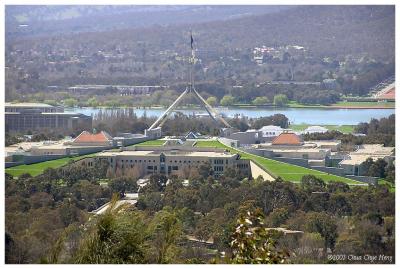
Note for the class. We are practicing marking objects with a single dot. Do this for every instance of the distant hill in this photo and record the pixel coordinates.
(25, 21)
(323, 30)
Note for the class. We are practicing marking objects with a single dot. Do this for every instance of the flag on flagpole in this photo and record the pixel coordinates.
(191, 40)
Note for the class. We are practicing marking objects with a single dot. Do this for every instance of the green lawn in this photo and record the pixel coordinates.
(350, 104)
(211, 143)
(38, 168)
(151, 143)
(342, 128)
(387, 183)
(286, 171)
(294, 104)
(366, 104)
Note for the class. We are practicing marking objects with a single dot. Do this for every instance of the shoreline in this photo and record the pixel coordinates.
(241, 106)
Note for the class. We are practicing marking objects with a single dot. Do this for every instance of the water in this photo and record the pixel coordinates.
(317, 116)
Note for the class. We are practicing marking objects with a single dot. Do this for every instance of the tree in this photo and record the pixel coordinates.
(278, 216)
(280, 100)
(114, 238)
(253, 243)
(336, 186)
(339, 205)
(311, 183)
(92, 102)
(377, 169)
(276, 119)
(70, 102)
(322, 223)
(205, 170)
(212, 101)
(227, 100)
(123, 184)
(261, 100)
(166, 231)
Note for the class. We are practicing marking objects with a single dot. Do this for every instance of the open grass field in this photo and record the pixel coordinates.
(344, 104)
(210, 143)
(38, 168)
(346, 129)
(286, 171)
(151, 143)
(365, 104)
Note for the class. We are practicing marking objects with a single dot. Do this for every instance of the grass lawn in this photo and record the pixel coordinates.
(210, 143)
(342, 128)
(286, 171)
(151, 143)
(366, 104)
(38, 168)
(294, 104)
(387, 183)
(349, 104)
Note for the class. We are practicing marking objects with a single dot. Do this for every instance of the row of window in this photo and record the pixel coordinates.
(242, 165)
(175, 161)
(220, 161)
(218, 168)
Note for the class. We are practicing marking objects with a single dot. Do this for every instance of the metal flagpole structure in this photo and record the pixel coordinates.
(191, 89)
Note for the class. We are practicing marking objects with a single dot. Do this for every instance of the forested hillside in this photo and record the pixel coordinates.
(351, 45)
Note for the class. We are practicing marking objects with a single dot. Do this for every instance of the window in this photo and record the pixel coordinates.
(217, 161)
(218, 168)
(150, 167)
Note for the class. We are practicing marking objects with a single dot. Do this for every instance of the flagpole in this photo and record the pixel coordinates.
(191, 62)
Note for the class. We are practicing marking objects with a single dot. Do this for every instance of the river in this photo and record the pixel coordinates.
(317, 116)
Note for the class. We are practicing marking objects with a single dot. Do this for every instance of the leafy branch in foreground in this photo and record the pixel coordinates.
(253, 243)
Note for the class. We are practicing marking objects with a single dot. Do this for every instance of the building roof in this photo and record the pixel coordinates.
(27, 105)
(86, 137)
(287, 139)
(171, 153)
(374, 149)
(316, 129)
(271, 128)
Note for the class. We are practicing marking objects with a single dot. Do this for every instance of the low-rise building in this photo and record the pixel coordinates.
(289, 145)
(353, 164)
(246, 138)
(171, 159)
(36, 116)
(271, 130)
(315, 130)
(102, 139)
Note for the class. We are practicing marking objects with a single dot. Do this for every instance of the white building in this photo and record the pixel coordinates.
(271, 131)
(315, 130)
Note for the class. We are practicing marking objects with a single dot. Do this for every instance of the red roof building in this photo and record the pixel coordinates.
(287, 139)
(88, 139)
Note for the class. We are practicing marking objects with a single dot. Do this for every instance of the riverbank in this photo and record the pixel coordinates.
(291, 104)
(303, 115)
